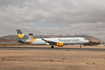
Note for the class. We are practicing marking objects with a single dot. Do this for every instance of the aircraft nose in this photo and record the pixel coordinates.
(87, 41)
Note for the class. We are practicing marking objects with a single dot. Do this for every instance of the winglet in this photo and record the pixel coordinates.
(41, 37)
(50, 42)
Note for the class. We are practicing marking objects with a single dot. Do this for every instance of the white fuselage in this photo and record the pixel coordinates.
(65, 41)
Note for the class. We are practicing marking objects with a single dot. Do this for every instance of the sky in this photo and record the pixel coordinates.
(53, 17)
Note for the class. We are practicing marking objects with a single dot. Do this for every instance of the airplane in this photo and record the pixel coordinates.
(50, 41)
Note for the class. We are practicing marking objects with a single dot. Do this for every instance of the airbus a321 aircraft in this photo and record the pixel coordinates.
(50, 41)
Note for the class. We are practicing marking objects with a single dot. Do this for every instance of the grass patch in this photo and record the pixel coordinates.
(63, 58)
(87, 63)
(93, 63)
(51, 60)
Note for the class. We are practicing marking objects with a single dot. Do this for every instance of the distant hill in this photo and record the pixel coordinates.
(9, 38)
(12, 38)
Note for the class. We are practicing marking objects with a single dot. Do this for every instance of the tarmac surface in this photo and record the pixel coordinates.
(48, 48)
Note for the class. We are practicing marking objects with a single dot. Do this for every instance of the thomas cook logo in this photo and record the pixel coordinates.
(20, 35)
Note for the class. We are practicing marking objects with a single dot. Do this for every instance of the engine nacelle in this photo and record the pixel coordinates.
(60, 44)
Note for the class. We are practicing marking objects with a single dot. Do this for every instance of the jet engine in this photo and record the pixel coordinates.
(60, 44)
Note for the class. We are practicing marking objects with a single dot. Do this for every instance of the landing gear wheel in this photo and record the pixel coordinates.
(52, 46)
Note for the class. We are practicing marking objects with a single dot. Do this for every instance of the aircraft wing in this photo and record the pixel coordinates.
(50, 42)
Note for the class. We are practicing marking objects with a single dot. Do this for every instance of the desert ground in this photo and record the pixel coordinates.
(52, 59)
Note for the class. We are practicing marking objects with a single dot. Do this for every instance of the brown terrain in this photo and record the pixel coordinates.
(52, 59)
(13, 38)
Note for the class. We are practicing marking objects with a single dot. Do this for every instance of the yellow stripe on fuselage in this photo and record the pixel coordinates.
(32, 40)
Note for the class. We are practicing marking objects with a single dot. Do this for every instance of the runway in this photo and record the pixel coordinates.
(48, 48)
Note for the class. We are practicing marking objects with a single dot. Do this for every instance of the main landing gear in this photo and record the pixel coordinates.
(52, 46)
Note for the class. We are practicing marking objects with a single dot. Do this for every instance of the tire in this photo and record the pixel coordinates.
(52, 46)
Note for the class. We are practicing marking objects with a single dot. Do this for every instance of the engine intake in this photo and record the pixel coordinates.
(60, 44)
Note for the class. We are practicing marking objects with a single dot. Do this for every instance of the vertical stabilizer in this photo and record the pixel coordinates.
(21, 36)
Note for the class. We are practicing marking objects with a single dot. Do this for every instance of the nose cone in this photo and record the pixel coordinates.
(87, 41)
